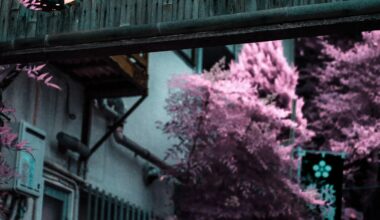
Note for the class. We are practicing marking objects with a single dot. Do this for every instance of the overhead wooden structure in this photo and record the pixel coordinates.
(111, 27)
(107, 77)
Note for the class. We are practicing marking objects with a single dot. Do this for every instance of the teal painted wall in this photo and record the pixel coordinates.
(289, 50)
(126, 169)
(112, 168)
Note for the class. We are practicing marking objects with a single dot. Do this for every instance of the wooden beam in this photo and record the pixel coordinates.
(135, 73)
(193, 40)
(141, 58)
(125, 64)
(263, 25)
(115, 91)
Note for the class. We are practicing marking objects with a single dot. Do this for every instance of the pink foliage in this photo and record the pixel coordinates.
(348, 98)
(343, 109)
(8, 139)
(34, 72)
(32, 4)
(231, 124)
(44, 5)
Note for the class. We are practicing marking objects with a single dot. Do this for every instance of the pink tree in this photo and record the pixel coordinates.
(347, 97)
(343, 110)
(41, 5)
(232, 124)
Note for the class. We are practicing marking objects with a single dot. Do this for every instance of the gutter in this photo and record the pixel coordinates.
(193, 30)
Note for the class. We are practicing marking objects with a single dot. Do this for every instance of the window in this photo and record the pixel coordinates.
(212, 55)
(188, 56)
(204, 58)
(56, 203)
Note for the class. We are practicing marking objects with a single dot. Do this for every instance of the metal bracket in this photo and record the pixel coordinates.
(114, 126)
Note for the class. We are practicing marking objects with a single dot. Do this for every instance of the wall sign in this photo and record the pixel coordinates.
(323, 171)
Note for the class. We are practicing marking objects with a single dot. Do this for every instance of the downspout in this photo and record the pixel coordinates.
(121, 139)
(67, 142)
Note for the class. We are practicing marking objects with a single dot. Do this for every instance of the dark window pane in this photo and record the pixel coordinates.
(212, 55)
(52, 208)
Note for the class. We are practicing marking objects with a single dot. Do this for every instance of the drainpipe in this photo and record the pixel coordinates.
(68, 142)
(121, 139)
(119, 122)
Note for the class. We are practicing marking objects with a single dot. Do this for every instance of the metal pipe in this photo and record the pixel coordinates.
(68, 142)
(192, 29)
(86, 133)
(137, 149)
(14, 209)
(114, 127)
(109, 113)
(8, 75)
(214, 23)
(63, 172)
(121, 139)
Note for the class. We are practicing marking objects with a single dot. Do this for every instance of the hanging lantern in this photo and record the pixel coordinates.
(46, 5)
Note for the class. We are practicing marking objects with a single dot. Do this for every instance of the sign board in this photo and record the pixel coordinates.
(27, 165)
(323, 171)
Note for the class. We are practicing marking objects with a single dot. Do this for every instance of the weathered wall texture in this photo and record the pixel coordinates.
(17, 22)
(112, 168)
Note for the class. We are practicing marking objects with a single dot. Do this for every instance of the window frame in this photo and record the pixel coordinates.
(62, 193)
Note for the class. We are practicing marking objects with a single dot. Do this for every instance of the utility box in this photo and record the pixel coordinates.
(27, 165)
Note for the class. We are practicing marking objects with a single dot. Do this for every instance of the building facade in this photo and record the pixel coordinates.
(110, 183)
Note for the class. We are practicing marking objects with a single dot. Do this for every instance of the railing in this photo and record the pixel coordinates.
(98, 205)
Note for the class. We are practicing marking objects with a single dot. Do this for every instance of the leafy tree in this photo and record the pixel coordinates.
(231, 124)
(47, 5)
(343, 107)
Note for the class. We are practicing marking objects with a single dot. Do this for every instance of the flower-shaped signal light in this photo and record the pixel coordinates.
(45, 5)
(322, 169)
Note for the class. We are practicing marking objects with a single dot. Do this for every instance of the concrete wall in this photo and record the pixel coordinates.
(140, 127)
(112, 168)
(46, 109)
